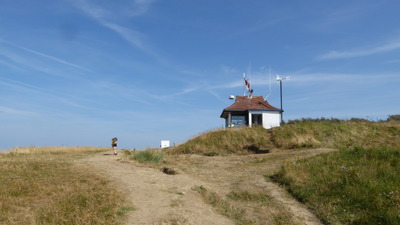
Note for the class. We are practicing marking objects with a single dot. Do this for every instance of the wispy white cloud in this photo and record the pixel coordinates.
(42, 94)
(228, 69)
(13, 111)
(45, 55)
(10, 65)
(106, 17)
(344, 14)
(133, 37)
(24, 62)
(395, 61)
(140, 7)
(91, 10)
(360, 52)
(232, 84)
(20, 86)
(110, 9)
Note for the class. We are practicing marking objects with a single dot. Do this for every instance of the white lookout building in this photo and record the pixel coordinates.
(251, 111)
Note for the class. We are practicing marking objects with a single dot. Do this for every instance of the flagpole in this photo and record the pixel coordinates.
(244, 84)
(251, 79)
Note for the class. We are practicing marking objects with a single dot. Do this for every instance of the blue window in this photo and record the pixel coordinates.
(238, 121)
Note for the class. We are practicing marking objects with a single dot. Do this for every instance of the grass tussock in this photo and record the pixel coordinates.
(246, 196)
(153, 156)
(352, 186)
(48, 189)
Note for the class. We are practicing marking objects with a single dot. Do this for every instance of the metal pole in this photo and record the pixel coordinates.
(280, 84)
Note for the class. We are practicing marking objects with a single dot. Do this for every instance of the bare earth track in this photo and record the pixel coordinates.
(158, 198)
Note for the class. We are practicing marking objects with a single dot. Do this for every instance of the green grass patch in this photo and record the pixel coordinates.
(351, 186)
(124, 210)
(148, 156)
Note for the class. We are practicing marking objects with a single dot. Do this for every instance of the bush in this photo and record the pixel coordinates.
(394, 118)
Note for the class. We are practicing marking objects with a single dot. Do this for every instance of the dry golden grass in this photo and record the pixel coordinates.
(225, 142)
(47, 188)
(296, 135)
(57, 149)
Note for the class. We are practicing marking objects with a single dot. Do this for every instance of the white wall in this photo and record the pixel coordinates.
(271, 119)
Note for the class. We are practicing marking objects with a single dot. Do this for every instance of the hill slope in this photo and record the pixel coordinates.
(298, 134)
(357, 185)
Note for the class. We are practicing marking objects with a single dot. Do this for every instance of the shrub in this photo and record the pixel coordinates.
(394, 118)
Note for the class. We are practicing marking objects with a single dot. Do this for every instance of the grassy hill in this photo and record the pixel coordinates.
(305, 133)
(358, 184)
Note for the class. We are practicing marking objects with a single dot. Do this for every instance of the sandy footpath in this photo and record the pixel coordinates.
(159, 198)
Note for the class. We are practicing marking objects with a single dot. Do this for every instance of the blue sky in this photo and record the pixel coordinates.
(79, 72)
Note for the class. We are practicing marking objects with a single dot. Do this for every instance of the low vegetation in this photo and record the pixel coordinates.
(44, 187)
(394, 118)
(247, 207)
(226, 141)
(304, 133)
(222, 206)
(359, 184)
(334, 133)
(153, 156)
(350, 186)
(75, 150)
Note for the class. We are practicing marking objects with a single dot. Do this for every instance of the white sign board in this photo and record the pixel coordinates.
(164, 143)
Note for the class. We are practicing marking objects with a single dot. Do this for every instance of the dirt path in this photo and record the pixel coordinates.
(159, 198)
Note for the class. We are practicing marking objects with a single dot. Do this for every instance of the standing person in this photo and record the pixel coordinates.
(114, 145)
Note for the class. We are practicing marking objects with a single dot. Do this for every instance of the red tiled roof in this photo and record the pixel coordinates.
(244, 103)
